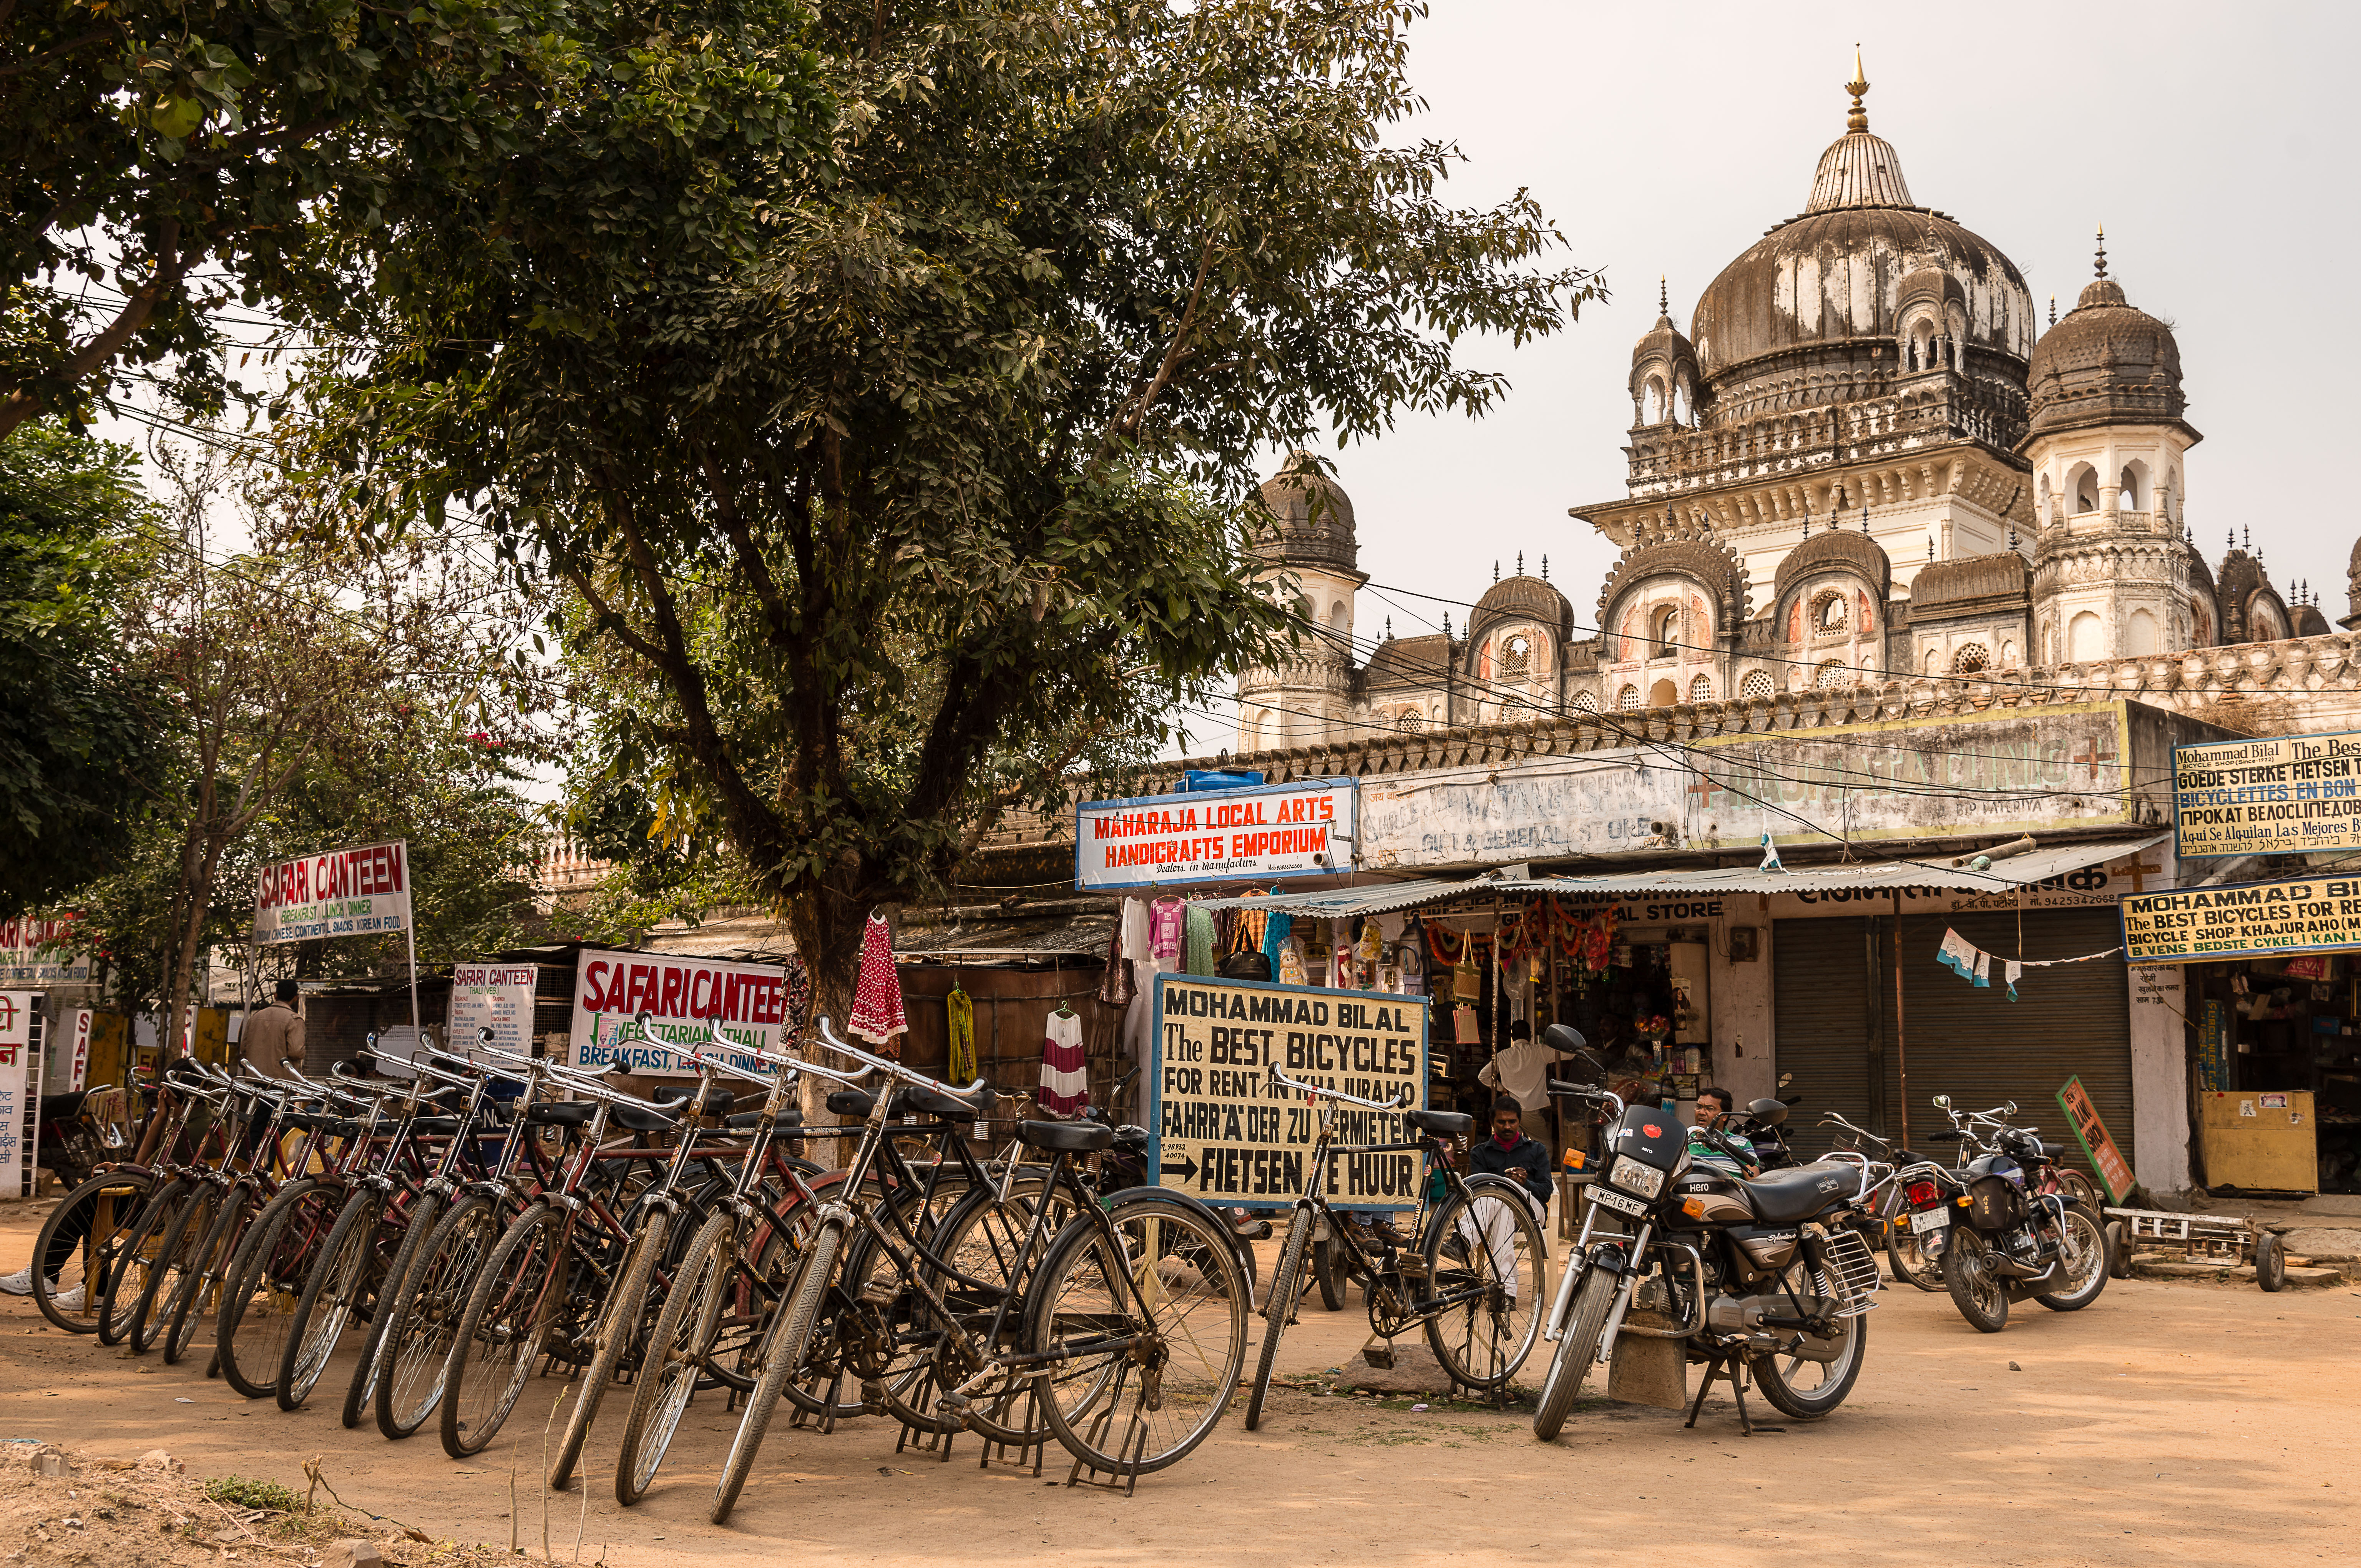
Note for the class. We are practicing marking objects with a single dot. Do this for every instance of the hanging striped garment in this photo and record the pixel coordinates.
(1065, 1081)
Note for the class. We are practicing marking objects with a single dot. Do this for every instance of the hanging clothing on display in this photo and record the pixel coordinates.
(1275, 927)
(1197, 941)
(1165, 918)
(959, 1017)
(1132, 928)
(1115, 985)
(877, 998)
(1065, 1079)
(798, 985)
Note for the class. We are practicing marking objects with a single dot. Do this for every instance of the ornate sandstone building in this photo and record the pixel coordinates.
(1868, 461)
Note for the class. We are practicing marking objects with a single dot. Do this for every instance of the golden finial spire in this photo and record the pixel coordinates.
(2103, 250)
(1664, 298)
(1859, 119)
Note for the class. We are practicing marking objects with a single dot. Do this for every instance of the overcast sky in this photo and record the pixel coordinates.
(2207, 138)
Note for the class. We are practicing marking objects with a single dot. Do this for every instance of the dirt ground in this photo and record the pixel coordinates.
(2168, 1423)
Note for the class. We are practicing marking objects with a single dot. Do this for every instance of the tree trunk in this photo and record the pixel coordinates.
(196, 887)
(827, 927)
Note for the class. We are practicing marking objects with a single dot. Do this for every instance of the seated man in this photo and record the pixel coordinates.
(1711, 1105)
(1508, 1152)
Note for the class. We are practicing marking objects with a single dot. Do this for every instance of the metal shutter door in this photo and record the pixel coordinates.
(1826, 1023)
(1981, 1048)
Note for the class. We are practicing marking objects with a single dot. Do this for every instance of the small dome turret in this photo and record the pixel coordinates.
(1313, 518)
(1664, 374)
(2105, 363)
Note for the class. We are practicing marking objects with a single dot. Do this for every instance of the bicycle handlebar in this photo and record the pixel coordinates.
(1400, 1101)
(893, 1069)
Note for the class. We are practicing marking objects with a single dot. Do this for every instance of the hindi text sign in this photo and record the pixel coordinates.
(339, 893)
(2259, 919)
(1218, 1132)
(2098, 1145)
(19, 1097)
(2284, 795)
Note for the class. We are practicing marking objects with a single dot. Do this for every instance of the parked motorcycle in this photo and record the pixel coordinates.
(2002, 1225)
(1762, 1276)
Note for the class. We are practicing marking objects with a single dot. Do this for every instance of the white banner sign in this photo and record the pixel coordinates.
(17, 1097)
(1284, 830)
(40, 952)
(496, 997)
(343, 892)
(74, 1065)
(745, 1003)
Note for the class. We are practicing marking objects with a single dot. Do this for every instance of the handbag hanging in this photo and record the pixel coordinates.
(1467, 984)
(1465, 1031)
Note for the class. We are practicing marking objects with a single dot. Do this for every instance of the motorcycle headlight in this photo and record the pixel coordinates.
(1642, 1180)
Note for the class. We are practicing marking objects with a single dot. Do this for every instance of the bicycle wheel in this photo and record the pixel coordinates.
(1330, 1270)
(781, 1358)
(675, 1354)
(1144, 1326)
(985, 1240)
(1577, 1353)
(622, 1326)
(127, 1282)
(331, 1286)
(501, 1333)
(73, 1267)
(201, 1285)
(176, 1260)
(2074, 1184)
(1905, 1256)
(1278, 1309)
(417, 1226)
(266, 1273)
(1485, 1254)
(423, 1317)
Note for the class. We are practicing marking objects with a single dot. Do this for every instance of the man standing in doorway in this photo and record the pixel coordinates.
(272, 1040)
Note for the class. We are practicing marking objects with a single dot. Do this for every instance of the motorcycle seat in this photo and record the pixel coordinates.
(1783, 1196)
(1441, 1123)
(1065, 1138)
(63, 1107)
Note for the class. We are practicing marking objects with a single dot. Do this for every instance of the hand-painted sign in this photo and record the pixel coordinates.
(19, 1094)
(340, 892)
(745, 1003)
(1286, 830)
(2098, 1146)
(495, 997)
(2250, 920)
(41, 952)
(1220, 1135)
(2287, 795)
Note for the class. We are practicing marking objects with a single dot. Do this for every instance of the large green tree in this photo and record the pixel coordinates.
(79, 729)
(907, 456)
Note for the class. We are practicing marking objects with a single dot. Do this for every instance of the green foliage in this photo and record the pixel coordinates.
(78, 732)
(242, 1492)
(900, 469)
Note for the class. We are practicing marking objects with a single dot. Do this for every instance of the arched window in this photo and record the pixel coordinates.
(2128, 498)
(1668, 631)
(1664, 694)
(1832, 673)
(2041, 498)
(1336, 613)
(1586, 703)
(2008, 656)
(2143, 639)
(1970, 660)
(2086, 638)
(1303, 610)
(1701, 690)
(1828, 615)
(1653, 410)
(1627, 700)
(1516, 655)
(1757, 684)
(2083, 486)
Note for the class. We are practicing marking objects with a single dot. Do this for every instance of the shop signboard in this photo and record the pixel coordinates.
(338, 893)
(494, 996)
(2213, 1045)
(2098, 1146)
(1219, 1134)
(746, 1004)
(1597, 803)
(2250, 920)
(1278, 832)
(2285, 794)
(40, 952)
(19, 1097)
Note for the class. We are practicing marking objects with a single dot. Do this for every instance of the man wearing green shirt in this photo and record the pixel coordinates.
(1712, 1103)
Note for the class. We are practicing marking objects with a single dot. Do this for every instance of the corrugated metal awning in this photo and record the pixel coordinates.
(2034, 866)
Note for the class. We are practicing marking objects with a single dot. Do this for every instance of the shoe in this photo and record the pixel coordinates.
(70, 1301)
(19, 1283)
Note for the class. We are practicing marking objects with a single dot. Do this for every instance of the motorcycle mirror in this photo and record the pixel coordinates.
(2011, 1108)
(1564, 1037)
(1942, 1102)
(1785, 1079)
(1770, 1113)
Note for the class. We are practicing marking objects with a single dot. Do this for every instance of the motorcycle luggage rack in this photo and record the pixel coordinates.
(1854, 1272)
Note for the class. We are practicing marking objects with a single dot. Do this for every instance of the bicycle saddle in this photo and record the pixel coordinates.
(1065, 1138)
(789, 1118)
(630, 1118)
(852, 1102)
(950, 1107)
(1442, 1123)
(434, 1126)
(561, 1113)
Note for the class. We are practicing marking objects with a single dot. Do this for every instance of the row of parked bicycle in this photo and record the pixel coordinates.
(482, 1217)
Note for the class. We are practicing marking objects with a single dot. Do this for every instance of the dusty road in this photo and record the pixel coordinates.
(2168, 1423)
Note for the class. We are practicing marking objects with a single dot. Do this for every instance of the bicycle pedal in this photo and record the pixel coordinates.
(1413, 1267)
(1378, 1355)
(872, 1396)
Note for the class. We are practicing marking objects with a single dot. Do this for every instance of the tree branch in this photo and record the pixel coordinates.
(170, 263)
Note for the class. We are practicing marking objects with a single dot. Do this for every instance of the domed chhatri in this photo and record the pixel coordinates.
(1312, 517)
(2105, 362)
(1522, 596)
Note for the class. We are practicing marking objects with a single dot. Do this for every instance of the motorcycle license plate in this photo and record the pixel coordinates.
(1930, 1220)
(1622, 1203)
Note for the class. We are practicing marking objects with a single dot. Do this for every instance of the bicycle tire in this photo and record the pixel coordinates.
(620, 1322)
(332, 1286)
(214, 1252)
(265, 1262)
(985, 1240)
(425, 1316)
(780, 1360)
(1907, 1259)
(1577, 1353)
(676, 1349)
(1185, 1264)
(115, 1184)
(1502, 1317)
(1329, 1269)
(174, 1254)
(127, 1281)
(360, 1390)
(469, 1424)
(1286, 1280)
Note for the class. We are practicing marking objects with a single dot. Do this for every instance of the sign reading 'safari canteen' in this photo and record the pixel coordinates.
(1286, 830)
(338, 893)
(744, 1003)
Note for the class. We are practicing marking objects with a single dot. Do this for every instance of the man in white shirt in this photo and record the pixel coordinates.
(1522, 1072)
